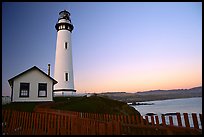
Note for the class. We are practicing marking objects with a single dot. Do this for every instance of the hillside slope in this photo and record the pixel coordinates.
(96, 104)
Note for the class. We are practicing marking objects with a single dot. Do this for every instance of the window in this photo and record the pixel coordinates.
(66, 76)
(42, 89)
(24, 89)
(65, 45)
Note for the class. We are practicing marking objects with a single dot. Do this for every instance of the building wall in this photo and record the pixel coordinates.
(33, 77)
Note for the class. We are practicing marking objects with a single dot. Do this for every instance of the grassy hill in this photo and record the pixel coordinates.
(92, 104)
(95, 104)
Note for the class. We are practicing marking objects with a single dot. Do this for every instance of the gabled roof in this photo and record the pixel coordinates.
(34, 67)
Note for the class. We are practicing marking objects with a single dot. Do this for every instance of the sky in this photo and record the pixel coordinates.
(116, 46)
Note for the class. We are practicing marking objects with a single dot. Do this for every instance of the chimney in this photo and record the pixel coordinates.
(48, 69)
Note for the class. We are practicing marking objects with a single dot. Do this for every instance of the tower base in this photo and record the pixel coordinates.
(64, 92)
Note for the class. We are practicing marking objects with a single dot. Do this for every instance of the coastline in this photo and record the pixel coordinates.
(182, 105)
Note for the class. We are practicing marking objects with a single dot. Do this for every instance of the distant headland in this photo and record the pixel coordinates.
(155, 95)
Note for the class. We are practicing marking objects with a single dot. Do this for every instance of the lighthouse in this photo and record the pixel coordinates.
(63, 71)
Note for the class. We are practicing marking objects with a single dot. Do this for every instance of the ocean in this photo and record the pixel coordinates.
(184, 105)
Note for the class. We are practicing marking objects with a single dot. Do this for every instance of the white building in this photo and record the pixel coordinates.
(32, 85)
(63, 71)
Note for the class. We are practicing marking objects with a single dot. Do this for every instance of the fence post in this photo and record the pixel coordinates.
(133, 119)
(118, 117)
(22, 119)
(32, 121)
(157, 120)
(18, 115)
(59, 119)
(12, 121)
(163, 120)
(195, 121)
(41, 121)
(55, 123)
(107, 117)
(5, 115)
(93, 127)
(178, 115)
(66, 123)
(116, 128)
(152, 120)
(115, 117)
(27, 120)
(146, 120)
(186, 119)
(141, 120)
(101, 128)
(121, 118)
(10, 124)
(125, 119)
(171, 121)
(110, 117)
(46, 122)
(109, 128)
(200, 115)
(73, 125)
(137, 119)
(129, 119)
(7, 118)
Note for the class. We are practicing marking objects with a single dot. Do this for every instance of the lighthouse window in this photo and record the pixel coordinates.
(65, 45)
(66, 76)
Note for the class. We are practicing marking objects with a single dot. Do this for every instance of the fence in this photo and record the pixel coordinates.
(182, 120)
(56, 122)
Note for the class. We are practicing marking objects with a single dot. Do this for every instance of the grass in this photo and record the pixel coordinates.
(92, 104)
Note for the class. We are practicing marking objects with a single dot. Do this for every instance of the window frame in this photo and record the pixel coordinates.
(43, 90)
(21, 89)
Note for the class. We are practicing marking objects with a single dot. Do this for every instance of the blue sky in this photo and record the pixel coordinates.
(117, 46)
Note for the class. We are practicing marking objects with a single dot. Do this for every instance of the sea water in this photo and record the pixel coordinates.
(184, 105)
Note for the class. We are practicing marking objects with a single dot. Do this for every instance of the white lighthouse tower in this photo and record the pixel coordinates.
(63, 71)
